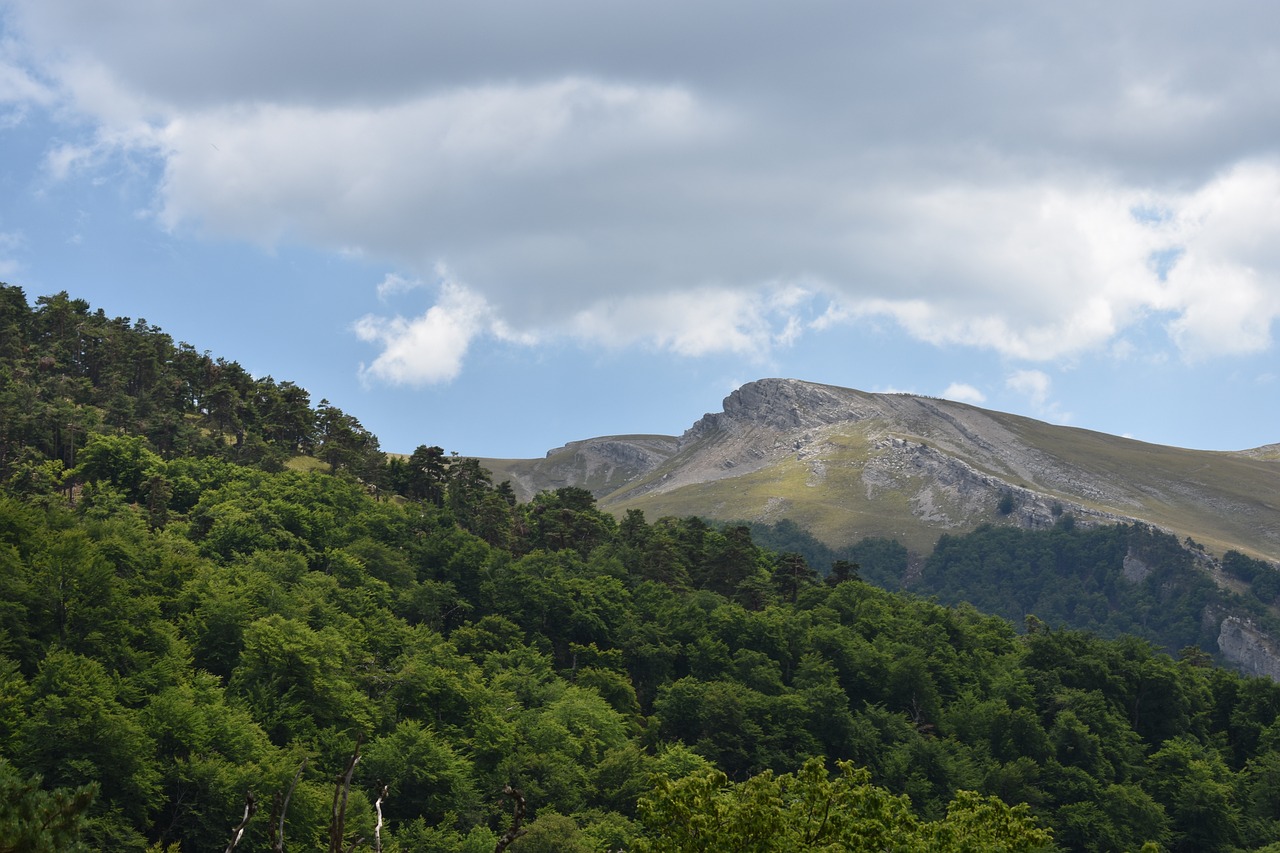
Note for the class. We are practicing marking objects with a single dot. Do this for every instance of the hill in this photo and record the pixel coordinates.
(214, 596)
(846, 464)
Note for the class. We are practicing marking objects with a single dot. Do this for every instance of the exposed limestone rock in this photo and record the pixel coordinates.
(1252, 651)
(782, 404)
(1134, 569)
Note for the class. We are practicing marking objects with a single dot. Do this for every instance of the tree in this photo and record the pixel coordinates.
(427, 778)
(426, 475)
(124, 461)
(77, 733)
(732, 560)
(34, 820)
(296, 679)
(790, 574)
(345, 444)
(811, 811)
(568, 518)
(841, 571)
(1192, 784)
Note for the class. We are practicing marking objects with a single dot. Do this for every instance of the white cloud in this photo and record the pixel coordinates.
(19, 91)
(63, 159)
(1225, 286)
(394, 284)
(1019, 180)
(1034, 271)
(427, 349)
(17, 86)
(962, 392)
(438, 169)
(710, 320)
(1036, 385)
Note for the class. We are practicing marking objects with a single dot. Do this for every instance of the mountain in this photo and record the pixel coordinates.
(847, 464)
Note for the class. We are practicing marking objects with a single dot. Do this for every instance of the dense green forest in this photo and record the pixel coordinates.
(204, 642)
(1111, 580)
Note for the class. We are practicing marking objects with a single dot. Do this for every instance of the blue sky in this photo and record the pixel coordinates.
(501, 226)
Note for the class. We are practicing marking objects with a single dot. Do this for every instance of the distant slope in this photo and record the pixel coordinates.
(602, 465)
(847, 464)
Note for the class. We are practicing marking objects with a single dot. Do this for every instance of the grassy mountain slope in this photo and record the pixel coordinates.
(848, 464)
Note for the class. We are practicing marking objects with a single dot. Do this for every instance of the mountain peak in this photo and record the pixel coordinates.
(784, 404)
(847, 464)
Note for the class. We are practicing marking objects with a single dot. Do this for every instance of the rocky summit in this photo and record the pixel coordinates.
(847, 464)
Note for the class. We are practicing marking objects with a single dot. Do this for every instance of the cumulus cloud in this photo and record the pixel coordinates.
(696, 322)
(394, 284)
(1036, 386)
(962, 392)
(350, 172)
(1018, 180)
(426, 349)
(1225, 284)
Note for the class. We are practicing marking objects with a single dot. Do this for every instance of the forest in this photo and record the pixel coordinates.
(1112, 580)
(229, 621)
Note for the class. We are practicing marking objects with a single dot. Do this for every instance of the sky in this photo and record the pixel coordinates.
(501, 226)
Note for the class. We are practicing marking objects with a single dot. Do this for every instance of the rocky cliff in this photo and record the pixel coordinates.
(1250, 649)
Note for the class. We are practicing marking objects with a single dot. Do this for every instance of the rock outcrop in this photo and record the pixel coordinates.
(1248, 648)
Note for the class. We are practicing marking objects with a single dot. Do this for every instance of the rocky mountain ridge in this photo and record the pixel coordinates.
(847, 464)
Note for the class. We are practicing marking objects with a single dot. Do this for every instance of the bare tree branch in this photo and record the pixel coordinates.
(250, 808)
(517, 818)
(377, 830)
(279, 807)
(337, 823)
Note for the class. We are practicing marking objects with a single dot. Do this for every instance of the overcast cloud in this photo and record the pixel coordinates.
(1033, 179)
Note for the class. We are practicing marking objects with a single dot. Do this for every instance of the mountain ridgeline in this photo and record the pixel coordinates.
(846, 464)
(228, 621)
(1019, 517)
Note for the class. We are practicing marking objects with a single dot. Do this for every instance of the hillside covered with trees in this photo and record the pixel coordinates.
(398, 655)
(1112, 580)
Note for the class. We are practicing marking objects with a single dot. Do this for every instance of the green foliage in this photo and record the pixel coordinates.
(33, 820)
(878, 560)
(810, 811)
(1263, 578)
(1110, 580)
(182, 623)
(428, 779)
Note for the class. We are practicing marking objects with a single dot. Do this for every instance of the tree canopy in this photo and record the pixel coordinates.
(189, 627)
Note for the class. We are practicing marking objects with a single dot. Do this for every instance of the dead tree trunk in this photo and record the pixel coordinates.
(338, 821)
(279, 806)
(250, 808)
(517, 818)
(377, 830)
